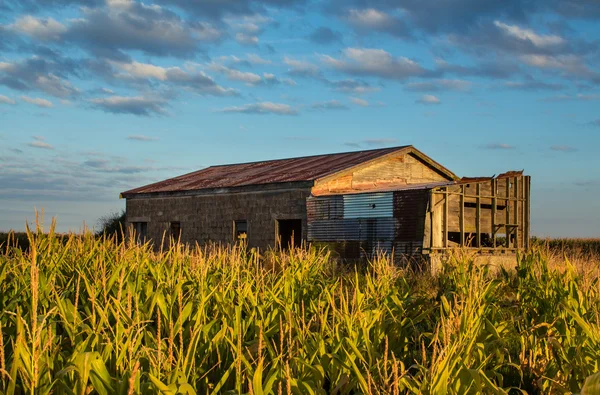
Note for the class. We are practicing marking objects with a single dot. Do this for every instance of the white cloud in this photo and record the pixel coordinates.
(189, 79)
(55, 86)
(301, 67)
(236, 75)
(577, 97)
(39, 142)
(143, 70)
(250, 59)
(37, 101)
(540, 41)
(206, 32)
(248, 23)
(246, 39)
(439, 85)
(6, 100)
(368, 18)
(42, 29)
(36, 73)
(533, 85)
(4, 66)
(262, 108)
(271, 79)
(120, 4)
(136, 105)
(374, 62)
(359, 101)
(563, 148)
(329, 105)
(256, 59)
(499, 146)
(141, 137)
(353, 86)
(151, 29)
(570, 63)
(428, 100)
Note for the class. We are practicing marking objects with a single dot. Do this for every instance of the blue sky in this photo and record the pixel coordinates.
(97, 97)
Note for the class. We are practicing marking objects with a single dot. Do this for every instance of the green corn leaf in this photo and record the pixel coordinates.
(591, 386)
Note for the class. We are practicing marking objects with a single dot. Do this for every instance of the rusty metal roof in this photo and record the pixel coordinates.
(307, 168)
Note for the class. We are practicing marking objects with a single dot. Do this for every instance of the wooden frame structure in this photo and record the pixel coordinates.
(484, 214)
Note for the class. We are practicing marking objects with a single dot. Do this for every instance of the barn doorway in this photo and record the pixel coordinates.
(289, 232)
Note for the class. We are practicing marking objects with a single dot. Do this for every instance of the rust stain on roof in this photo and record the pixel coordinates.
(307, 168)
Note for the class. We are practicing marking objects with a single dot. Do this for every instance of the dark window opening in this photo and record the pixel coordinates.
(471, 239)
(176, 230)
(240, 230)
(289, 233)
(140, 230)
(504, 240)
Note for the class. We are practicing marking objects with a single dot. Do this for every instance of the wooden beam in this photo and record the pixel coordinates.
(527, 211)
(478, 216)
(462, 216)
(523, 244)
(428, 232)
(494, 212)
(510, 198)
(446, 217)
(507, 195)
(486, 249)
(516, 212)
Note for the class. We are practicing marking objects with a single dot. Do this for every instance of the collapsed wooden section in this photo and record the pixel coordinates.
(485, 214)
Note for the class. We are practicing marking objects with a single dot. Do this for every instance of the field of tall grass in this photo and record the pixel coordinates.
(86, 315)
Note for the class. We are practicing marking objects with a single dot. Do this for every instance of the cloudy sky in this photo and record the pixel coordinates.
(97, 96)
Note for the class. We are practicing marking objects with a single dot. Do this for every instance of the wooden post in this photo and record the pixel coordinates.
(507, 219)
(516, 213)
(446, 217)
(462, 215)
(478, 215)
(527, 210)
(494, 211)
(522, 242)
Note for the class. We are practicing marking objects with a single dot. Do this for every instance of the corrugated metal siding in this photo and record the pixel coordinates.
(363, 224)
(410, 209)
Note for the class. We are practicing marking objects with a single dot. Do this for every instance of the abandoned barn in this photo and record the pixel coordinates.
(392, 200)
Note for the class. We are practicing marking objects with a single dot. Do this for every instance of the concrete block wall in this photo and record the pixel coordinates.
(210, 217)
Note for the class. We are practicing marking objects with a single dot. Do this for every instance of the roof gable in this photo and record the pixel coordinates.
(308, 168)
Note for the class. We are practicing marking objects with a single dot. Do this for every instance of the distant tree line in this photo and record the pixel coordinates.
(109, 225)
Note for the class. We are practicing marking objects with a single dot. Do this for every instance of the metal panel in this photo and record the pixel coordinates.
(390, 221)
(410, 208)
(352, 229)
(369, 205)
(306, 168)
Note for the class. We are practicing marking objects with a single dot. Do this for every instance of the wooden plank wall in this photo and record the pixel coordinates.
(483, 214)
(400, 170)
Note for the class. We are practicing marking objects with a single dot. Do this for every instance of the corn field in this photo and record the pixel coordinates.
(86, 315)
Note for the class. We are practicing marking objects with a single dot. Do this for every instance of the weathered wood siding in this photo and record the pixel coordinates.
(480, 213)
(396, 170)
